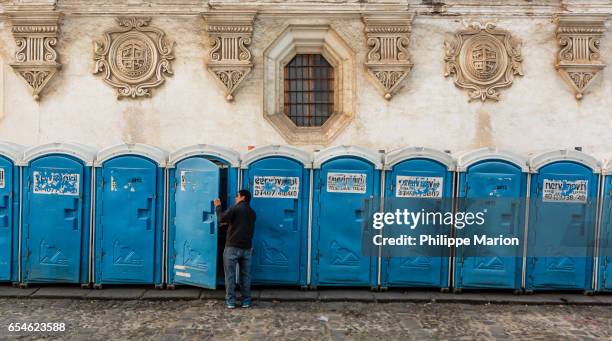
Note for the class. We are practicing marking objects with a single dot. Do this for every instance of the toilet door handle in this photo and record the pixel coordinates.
(4, 204)
(144, 214)
(70, 214)
(208, 218)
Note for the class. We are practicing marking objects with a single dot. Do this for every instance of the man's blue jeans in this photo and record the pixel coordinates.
(231, 256)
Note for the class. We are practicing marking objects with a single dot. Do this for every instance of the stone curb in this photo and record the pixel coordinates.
(291, 295)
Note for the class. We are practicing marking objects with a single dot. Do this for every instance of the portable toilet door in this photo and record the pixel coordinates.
(418, 179)
(279, 180)
(562, 219)
(604, 262)
(494, 183)
(56, 214)
(345, 177)
(129, 215)
(197, 176)
(10, 160)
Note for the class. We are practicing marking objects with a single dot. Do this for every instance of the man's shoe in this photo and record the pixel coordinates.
(246, 304)
(229, 305)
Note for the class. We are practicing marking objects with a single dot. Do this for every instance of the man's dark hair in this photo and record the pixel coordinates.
(246, 194)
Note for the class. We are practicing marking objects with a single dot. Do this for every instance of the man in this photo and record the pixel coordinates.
(238, 247)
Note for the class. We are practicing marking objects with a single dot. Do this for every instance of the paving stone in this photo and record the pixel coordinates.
(220, 294)
(316, 320)
(61, 292)
(116, 294)
(176, 294)
(212, 294)
(578, 299)
(334, 295)
(465, 297)
(398, 296)
(9, 291)
(288, 295)
(328, 295)
(604, 298)
(537, 298)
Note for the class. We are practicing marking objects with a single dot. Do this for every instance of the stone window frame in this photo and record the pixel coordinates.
(309, 39)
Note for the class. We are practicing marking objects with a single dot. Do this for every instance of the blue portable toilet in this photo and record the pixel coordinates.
(345, 178)
(418, 179)
(279, 180)
(197, 175)
(56, 214)
(604, 252)
(10, 159)
(129, 211)
(562, 219)
(494, 183)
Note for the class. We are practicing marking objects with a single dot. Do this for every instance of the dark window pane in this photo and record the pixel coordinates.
(309, 90)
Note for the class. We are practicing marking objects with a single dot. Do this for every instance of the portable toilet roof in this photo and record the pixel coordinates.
(276, 150)
(337, 151)
(399, 155)
(467, 159)
(85, 153)
(12, 151)
(156, 154)
(607, 169)
(539, 160)
(223, 153)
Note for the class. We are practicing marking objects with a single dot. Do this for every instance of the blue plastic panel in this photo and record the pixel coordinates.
(553, 224)
(489, 266)
(128, 229)
(193, 223)
(341, 187)
(9, 205)
(56, 215)
(280, 188)
(604, 278)
(416, 271)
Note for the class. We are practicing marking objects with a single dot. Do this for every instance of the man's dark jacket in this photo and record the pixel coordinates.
(241, 221)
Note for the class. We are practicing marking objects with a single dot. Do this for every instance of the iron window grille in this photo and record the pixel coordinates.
(309, 90)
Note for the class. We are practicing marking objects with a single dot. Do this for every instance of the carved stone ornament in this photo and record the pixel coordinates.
(579, 59)
(133, 57)
(388, 62)
(483, 60)
(35, 35)
(229, 59)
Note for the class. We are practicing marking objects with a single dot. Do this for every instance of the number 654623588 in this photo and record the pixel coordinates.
(37, 327)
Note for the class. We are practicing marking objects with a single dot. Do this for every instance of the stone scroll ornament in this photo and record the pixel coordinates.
(229, 59)
(35, 59)
(579, 58)
(388, 62)
(483, 60)
(134, 57)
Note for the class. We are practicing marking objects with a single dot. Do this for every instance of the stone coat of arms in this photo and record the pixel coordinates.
(483, 59)
(133, 57)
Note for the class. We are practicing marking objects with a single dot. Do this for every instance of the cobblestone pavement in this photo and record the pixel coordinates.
(208, 319)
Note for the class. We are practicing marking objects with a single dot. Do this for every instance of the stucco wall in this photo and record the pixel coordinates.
(538, 111)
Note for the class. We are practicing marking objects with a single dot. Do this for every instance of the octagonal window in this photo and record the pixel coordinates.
(309, 90)
(309, 84)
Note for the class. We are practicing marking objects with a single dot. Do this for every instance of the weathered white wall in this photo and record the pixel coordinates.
(538, 111)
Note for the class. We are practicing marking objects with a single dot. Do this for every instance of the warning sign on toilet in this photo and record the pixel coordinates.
(1, 177)
(418, 186)
(287, 187)
(346, 182)
(571, 191)
(59, 183)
